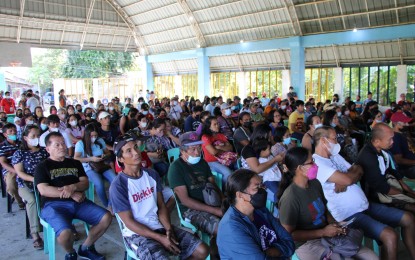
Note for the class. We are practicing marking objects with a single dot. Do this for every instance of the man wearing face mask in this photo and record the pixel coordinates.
(53, 126)
(192, 121)
(106, 132)
(62, 119)
(403, 148)
(175, 110)
(7, 149)
(188, 176)
(8, 104)
(226, 124)
(346, 200)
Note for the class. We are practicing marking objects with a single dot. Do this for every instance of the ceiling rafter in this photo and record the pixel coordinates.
(367, 10)
(341, 12)
(400, 51)
(138, 37)
(397, 12)
(195, 25)
(19, 28)
(336, 54)
(318, 15)
(88, 19)
(292, 13)
(282, 58)
(239, 62)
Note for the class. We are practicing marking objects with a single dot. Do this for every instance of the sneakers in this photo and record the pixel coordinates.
(71, 256)
(90, 253)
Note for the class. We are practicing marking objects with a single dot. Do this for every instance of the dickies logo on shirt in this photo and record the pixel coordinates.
(144, 194)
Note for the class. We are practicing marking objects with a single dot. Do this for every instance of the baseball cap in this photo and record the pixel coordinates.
(132, 135)
(224, 106)
(189, 138)
(400, 117)
(103, 115)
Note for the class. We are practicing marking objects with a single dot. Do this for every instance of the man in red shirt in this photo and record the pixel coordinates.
(8, 104)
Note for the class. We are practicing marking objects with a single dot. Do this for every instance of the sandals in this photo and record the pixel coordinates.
(38, 244)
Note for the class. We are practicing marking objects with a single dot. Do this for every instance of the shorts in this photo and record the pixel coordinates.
(205, 222)
(148, 249)
(375, 219)
(60, 213)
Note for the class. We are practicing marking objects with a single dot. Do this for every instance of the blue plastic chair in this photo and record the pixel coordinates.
(49, 232)
(270, 206)
(239, 163)
(218, 179)
(173, 154)
(130, 253)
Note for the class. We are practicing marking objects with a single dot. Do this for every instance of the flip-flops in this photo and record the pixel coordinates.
(38, 244)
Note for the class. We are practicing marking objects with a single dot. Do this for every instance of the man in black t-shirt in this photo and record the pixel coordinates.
(61, 182)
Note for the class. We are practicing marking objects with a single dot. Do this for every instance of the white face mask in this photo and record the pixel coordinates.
(110, 108)
(93, 139)
(73, 123)
(54, 129)
(318, 125)
(175, 103)
(334, 149)
(339, 114)
(145, 112)
(228, 112)
(347, 112)
(283, 107)
(29, 122)
(33, 142)
(143, 124)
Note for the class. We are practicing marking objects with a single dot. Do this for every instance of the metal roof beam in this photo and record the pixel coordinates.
(88, 19)
(292, 13)
(19, 28)
(193, 22)
(336, 55)
(367, 10)
(318, 15)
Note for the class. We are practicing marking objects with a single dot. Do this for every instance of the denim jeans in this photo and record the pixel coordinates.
(98, 181)
(220, 168)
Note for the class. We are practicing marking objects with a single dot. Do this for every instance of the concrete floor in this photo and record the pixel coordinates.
(15, 246)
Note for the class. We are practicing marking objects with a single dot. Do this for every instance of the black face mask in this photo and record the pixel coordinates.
(19, 115)
(132, 115)
(79, 110)
(259, 199)
(89, 114)
(248, 124)
(405, 129)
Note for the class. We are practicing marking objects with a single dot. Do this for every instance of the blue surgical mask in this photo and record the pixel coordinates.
(12, 137)
(287, 141)
(318, 125)
(43, 126)
(193, 160)
(333, 124)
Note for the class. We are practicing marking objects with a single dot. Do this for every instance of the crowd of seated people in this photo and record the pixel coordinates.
(318, 166)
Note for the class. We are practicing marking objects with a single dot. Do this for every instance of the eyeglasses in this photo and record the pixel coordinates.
(310, 163)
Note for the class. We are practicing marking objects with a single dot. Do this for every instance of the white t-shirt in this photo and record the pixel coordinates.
(209, 107)
(344, 204)
(32, 103)
(175, 112)
(68, 141)
(273, 173)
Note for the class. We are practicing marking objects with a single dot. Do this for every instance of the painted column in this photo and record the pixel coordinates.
(203, 73)
(298, 66)
(338, 83)
(402, 81)
(148, 75)
(286, 83)
(242, 91)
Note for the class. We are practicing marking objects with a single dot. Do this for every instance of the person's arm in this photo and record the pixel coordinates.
(403, 161)
(352, 176)
(330, 230)
(227, 147)
(6, 165)
(22, 175)
(173, 138)
(122, 124)
(71, 137)
(190, 203)
(163, 213)
(78, 156)
(244, 142)
(306, 142)
(211, 179)
(258, 167)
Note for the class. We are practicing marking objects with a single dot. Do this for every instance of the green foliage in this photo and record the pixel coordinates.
(95, 64)
(46, 67)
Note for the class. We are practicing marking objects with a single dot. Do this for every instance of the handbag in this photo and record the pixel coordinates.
(345, 245)
(99, 167)
(211, 196)
(227, 158)
(399, 200)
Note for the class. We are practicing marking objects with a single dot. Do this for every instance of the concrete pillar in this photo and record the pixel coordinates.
(298, 67)
(203, 73)
(148, 75)
(338, 83)
(286, 83)
(402, 81)
(240, 79)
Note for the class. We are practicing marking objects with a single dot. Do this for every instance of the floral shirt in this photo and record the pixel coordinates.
(30, 160)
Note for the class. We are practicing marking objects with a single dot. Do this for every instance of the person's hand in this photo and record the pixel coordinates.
(170, 245)
(172, 236)
(66, 191)
(340, 188)
(333, 230)
(218, 212)
(78, 196)
(279, 157)
(96, 159)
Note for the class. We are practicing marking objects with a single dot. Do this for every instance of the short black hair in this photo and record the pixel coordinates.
(50, 135)
(53, 119)
(8, 126)
(299, 103)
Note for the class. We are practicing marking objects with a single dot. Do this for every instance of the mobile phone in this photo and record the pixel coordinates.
(344, 225)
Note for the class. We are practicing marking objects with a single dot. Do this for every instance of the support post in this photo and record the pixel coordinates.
(148, 75)
(298, 66)
(286, 83)
(203, 73)
(338, 82)
(402, 81)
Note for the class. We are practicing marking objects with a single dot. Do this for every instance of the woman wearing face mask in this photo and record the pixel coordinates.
(114, 116)
(53, 110)
(302, 208)
(282, 139)
(143, 124)
(313, 122)
(275, 120)
(93, 149)
(88, 117)
(24, 161)
(226, 124)
(70, 110)
(172, 133)
(283, 109)
(246, 219)
(214, 144)
(157, 145)
(43, 125)
(74, 130)
(129, 121)
(376, 117)
(19, 113)
(331, 119)
(29, 120)
(38, 113)
(62, 119)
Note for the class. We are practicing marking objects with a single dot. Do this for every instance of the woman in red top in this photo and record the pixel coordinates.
(7, 103)
(214, 144)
